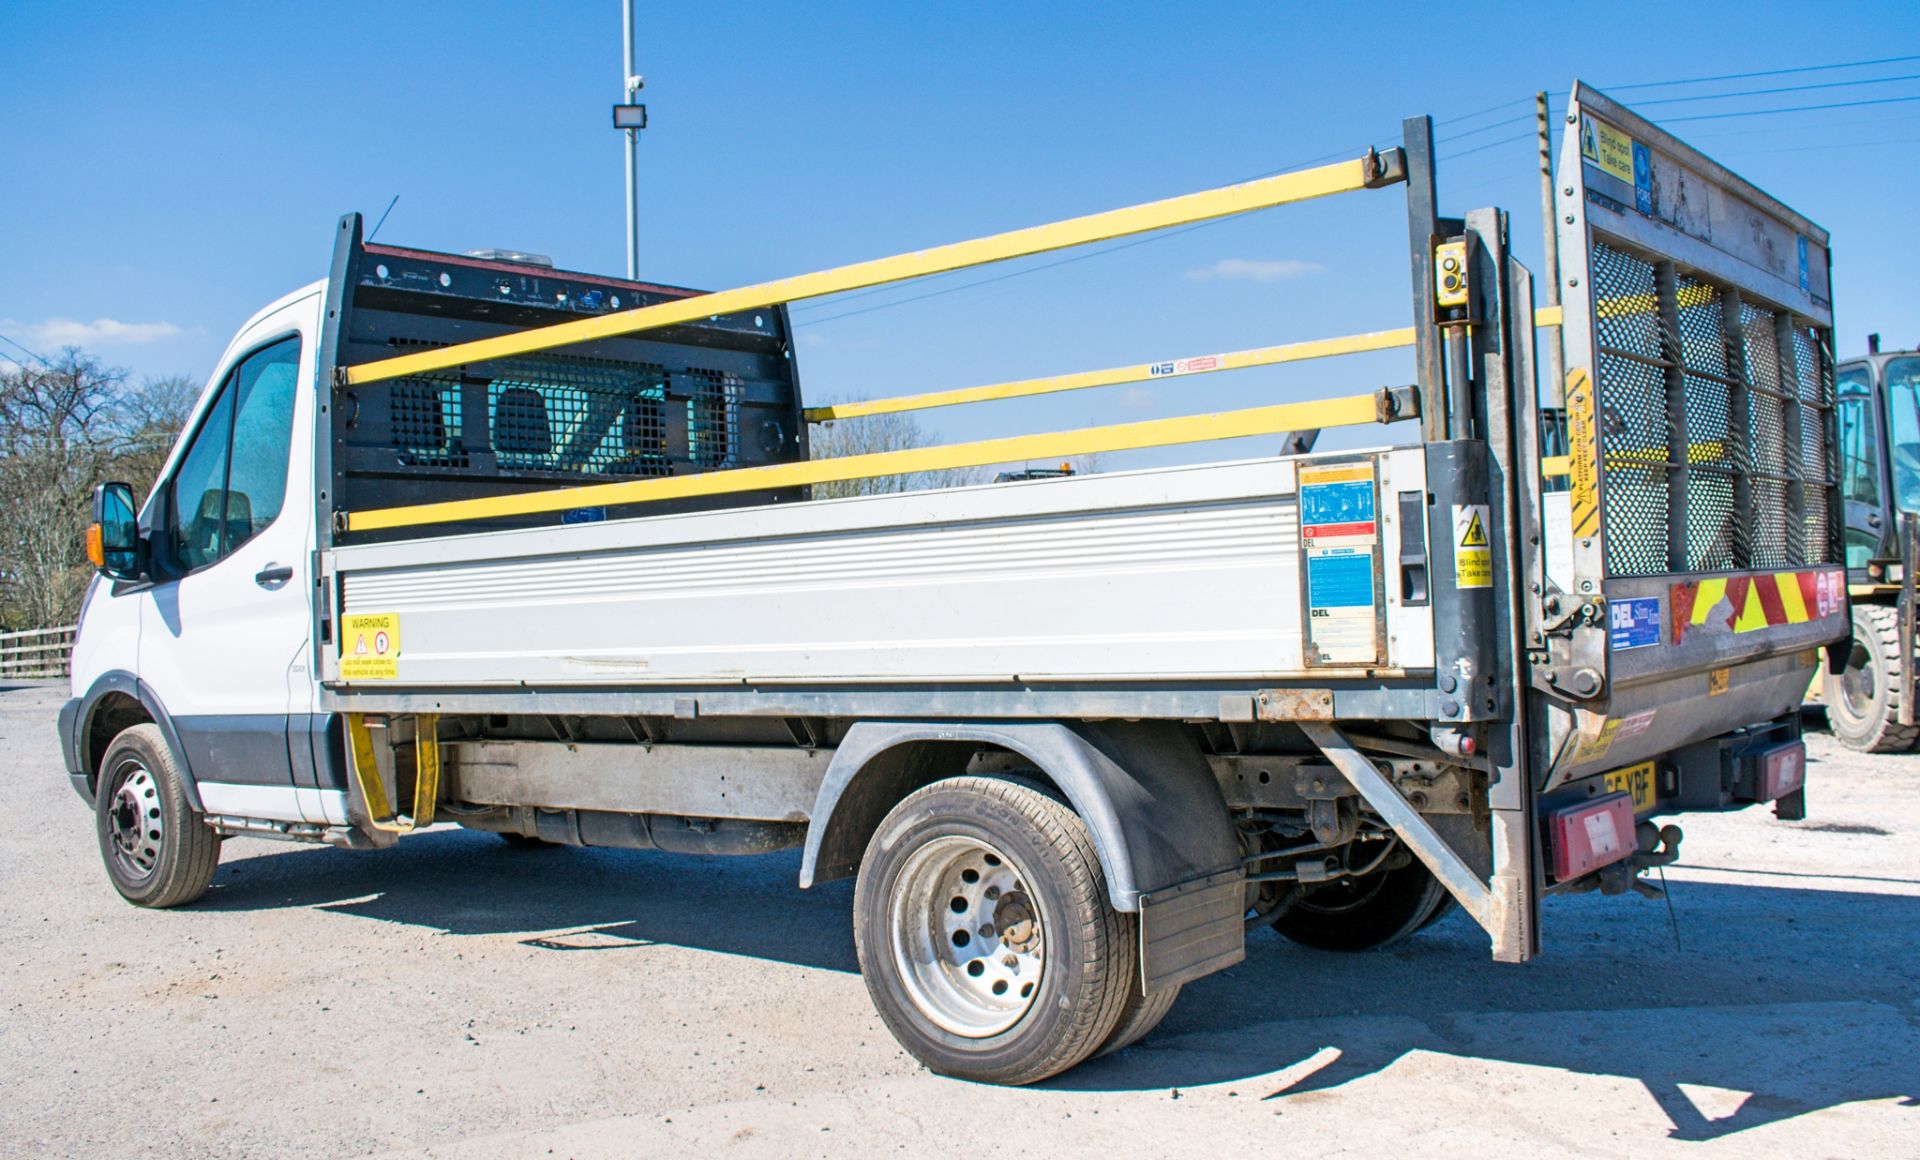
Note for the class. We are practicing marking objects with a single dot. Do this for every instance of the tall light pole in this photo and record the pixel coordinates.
(629, 116)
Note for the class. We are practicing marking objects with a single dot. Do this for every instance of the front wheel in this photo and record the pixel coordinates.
(985, 935)
(1863, 700)
(159, 852)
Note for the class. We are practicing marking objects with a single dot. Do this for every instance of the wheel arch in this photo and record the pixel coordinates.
(117, 701)
(1143, 789)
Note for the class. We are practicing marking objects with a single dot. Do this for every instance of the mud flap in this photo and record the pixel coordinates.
(1191, 930)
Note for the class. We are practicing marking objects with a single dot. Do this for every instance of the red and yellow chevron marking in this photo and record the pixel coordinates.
(1752, 601)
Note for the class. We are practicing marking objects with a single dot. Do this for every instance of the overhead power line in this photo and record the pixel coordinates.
(1490, 145)
(1482, 112)
(39, 358)
(1782, 89)
(1771, 72)
(1789, 109)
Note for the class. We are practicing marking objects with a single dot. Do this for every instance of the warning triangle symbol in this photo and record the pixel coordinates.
(360, 646)
(1475, 536)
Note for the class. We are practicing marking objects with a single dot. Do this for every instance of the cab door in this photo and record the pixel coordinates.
(225, 626)
(1864, 487)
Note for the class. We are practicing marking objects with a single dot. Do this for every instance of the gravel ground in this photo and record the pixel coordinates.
(454, 997)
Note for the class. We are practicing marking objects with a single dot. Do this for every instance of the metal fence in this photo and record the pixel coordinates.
(36, 653)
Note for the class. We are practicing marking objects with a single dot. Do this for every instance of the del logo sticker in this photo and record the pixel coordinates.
(370, 646)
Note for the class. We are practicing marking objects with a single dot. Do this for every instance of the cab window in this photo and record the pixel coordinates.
(1859, 465)
(232, 482)
(1903, 417)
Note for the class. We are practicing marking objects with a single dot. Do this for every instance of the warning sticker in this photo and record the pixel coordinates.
(1340, 538)
(1717, 682)
(1598, 734)
(370, 646)
(1187, 366)
(1607, 148)
(1336, 504)
(1583, 461)
(1472, 554)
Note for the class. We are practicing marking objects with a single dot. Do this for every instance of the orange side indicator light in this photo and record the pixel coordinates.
(96, 547)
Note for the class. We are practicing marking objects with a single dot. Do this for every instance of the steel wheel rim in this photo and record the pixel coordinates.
(1857, 683)
(136, 825)
(968, 938)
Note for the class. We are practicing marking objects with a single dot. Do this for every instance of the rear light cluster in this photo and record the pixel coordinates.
(1591, 835)
(1779, 771)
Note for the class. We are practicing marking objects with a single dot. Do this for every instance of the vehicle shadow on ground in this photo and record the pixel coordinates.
(1828, 1017)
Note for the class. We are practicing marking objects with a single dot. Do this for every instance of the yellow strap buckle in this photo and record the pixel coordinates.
(373, 789)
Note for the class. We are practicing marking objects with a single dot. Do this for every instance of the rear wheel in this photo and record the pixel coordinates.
(1142, 1013)
(1361, 914)
(1863, 700)
(985, 935)
(159, 852)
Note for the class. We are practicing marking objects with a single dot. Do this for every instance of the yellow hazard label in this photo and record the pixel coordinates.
(1598, 734)
(1607, 147)
(1583, 460)
(370, 646)
(1718, 680)
(1595, 745)
(1340, 473)
(1472, 555)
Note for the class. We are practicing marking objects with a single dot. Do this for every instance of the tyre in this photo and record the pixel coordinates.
(1440, 910)
(1863, 700)
(1141, 1014)
(985, 936)
(1361, 914)
(159, 852)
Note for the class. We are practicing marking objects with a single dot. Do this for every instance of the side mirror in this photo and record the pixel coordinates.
(113, 539)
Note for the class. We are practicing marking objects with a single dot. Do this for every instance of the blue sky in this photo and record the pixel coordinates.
(170, 168)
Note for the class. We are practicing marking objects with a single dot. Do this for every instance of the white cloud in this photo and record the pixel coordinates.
(1254, 270)
(59, 332)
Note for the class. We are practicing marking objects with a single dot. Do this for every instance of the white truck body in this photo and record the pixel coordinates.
(455, 537)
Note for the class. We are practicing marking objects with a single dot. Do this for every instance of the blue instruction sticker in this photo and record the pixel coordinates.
(1348, 503)
(1634, 623)
(1340, 578)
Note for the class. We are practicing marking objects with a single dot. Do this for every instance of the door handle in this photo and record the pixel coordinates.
(273, 574)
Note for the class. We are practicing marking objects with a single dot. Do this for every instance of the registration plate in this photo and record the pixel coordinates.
(1636, 780)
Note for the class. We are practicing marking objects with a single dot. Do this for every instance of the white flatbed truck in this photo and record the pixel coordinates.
(451, 538)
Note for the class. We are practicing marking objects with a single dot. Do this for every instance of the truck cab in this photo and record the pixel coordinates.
(212, 642)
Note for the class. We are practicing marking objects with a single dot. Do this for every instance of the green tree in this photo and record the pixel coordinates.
(66, 426)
